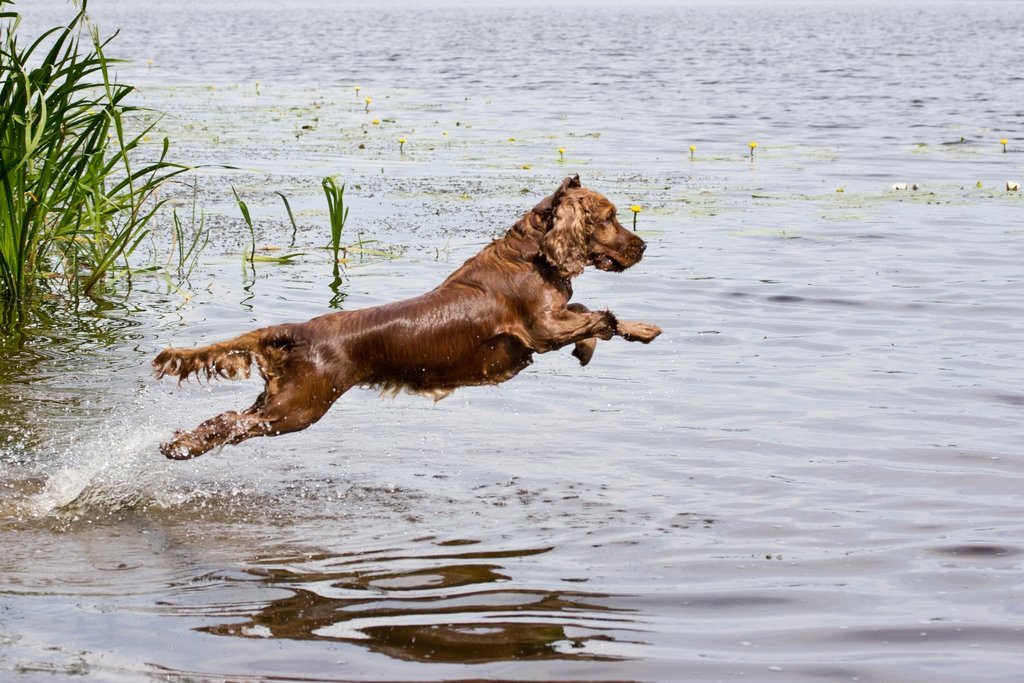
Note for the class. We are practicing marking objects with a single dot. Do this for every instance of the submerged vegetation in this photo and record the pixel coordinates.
(75, 202)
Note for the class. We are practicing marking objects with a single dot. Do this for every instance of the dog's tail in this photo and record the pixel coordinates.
(231, 359)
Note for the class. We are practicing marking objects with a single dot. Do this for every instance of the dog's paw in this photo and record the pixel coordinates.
(584, 350)
(641, 332)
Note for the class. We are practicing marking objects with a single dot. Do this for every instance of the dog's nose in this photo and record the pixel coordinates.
(643, 247)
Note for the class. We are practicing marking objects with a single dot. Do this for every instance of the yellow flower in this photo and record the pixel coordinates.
(368, 100)
(376, 122)
(401, 141)
(636, 208)
(561, 150)
(1003, 141)
(525, 167)
(752, 144)
(693, 148)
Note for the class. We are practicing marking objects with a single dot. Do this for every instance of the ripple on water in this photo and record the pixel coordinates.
(433, 606)
(978, 551)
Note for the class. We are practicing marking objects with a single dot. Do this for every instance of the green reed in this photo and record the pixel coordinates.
(247, 217)
(187, 245)
(251, 256)
(336, 211)
(73, 201)
(291, 217)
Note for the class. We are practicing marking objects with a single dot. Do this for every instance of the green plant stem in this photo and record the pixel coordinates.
(337, 211)
(72, 198)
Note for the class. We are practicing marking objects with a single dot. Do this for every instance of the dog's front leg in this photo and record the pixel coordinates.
(630, 331)
(574, 324)
(584, 349)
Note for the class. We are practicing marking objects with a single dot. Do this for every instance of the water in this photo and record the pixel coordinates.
(814, 474)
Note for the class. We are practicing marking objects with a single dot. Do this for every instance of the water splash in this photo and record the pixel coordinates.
(105, 472)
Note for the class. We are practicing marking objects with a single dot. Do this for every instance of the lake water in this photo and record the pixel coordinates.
(815, 474)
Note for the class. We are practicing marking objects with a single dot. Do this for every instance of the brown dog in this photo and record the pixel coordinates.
(480, 326)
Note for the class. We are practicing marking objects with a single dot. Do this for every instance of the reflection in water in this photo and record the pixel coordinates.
(31, 337)
(337, 288)
(55, 361)
(447, 612)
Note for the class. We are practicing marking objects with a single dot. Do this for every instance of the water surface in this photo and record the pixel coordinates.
(814, 474)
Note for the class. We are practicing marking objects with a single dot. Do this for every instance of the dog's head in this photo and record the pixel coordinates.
(585, 231)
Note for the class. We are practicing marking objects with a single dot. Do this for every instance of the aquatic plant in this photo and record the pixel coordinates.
(561, 153)
(635, 208)
(1004, 142)
(247, 217)
(252, 257)
(693, 149)
(187, 245)
(368, 101)
(753, 146)
(358, 88)
(337, 212)
(291, 216)
(401, 145)
(73, 201)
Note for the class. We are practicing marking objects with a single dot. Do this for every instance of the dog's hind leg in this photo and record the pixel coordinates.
(228, 359)
(285, 405)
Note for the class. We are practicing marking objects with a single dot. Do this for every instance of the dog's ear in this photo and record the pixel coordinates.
(565, 244)
(550, 202)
